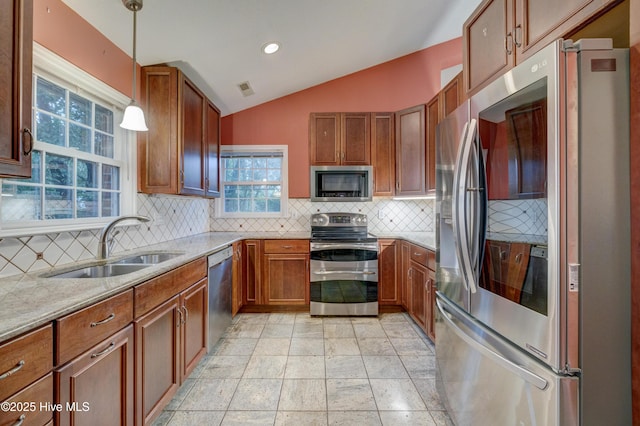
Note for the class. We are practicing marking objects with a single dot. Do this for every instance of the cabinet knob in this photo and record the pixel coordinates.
(25, 150)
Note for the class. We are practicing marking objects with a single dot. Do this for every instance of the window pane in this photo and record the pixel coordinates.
(231, 206)
(110, 204)
(59, 170)
(110, 177)
(273, 191)
(245, 205)
(273, 205)
(259, 205)
(87, 203)
(50, 129)
(274, 175)
(104, 119)
(79, 109)
(104, 145)
(21, 202)
(244, 163)
(231, 191)
(50, 97)
(231, 175)
(87, 174)
(80, 137)
(230, 163)
(259, 174)
(259, 163)
(259, 191)
(274, 163)
(58, 203)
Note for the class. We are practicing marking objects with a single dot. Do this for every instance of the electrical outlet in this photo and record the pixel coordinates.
(380, 214)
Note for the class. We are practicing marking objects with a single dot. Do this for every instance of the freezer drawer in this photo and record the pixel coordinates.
(485, 380)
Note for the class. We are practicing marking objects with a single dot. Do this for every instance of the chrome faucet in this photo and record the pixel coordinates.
(106, 241)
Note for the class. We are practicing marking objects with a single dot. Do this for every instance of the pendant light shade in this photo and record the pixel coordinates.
(133, 116)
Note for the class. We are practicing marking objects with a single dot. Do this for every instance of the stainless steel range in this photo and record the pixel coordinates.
(344, 265)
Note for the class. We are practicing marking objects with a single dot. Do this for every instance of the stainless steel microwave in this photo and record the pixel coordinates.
(341, 183)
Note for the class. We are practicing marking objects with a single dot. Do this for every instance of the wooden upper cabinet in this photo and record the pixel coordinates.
(340, 139)
(410, 151)
(433, 115)
(500, 33)
(16, 41)
(212, 163)
(180, 152)
(383, 153)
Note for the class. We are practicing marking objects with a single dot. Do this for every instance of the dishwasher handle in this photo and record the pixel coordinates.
(220, 256)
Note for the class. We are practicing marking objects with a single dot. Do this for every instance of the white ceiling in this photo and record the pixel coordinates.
(217, 42)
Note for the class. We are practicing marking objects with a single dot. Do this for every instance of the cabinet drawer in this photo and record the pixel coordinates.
(25, 359)
(77, 332)
(32, 399)
(286, 246)
(157, 290)
(423, 256)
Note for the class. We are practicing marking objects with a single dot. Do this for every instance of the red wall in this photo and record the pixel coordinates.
(391, 86)
(61, 30)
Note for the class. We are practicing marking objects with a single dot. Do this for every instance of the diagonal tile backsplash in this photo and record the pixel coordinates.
(176, 217)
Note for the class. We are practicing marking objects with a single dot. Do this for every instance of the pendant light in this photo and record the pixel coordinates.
(133, 116)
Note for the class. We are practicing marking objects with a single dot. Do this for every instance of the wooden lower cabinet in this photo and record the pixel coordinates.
(96, 388)
(170, 340)
(236, 287)
(431, 288)
(389, 272)
(251, 272)
(418, 280)
(33, 399)
(285, 275)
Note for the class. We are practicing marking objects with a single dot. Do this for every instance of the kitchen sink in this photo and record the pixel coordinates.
(146, 259)
(100, 271)
(114, 268)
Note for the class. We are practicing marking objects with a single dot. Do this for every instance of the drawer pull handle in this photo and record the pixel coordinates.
(104, 321)
(15, 369)
(287, 247)
(20, 420)
(108, 349)
(417, 254)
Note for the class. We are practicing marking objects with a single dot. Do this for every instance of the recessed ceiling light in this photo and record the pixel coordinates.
(271, 47)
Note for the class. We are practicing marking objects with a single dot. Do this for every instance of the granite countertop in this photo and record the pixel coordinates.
(424, 239)
(30, 300)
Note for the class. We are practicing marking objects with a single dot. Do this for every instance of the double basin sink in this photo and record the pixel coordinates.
(117, 267)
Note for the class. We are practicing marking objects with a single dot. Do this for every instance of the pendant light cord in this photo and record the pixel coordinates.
(135, 12)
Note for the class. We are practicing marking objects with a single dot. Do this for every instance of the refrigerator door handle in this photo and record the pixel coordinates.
(459, 172)
(461, 188)
(525, 374)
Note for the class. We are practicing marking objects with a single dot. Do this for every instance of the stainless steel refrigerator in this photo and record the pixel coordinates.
(533, 260)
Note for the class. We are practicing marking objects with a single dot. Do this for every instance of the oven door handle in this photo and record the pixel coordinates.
(363, 246)
(325, 272)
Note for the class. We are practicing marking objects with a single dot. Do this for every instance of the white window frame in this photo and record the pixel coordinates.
(284, 193)
(57, 70)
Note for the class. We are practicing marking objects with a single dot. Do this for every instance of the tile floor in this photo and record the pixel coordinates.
(294, 369)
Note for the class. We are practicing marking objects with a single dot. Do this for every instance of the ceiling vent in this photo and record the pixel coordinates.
(245, 88)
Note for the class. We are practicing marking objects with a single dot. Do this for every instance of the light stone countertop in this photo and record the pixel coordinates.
(30, 300)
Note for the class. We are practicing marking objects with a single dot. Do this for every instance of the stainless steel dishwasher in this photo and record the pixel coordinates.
(220, 278)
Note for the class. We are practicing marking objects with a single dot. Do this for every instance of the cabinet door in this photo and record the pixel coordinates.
(98, 384)
(355, 138)
(417, 298)
(212, 179)
(389, 272)
(451, 96)
(324, 139)
(383, 153)
(410, 151)
(194, 306)
(16, 40)
(193, 139)
(39, 393)
(286, 278)
(540, 22)
(236, 287)
(157, 148)
(405, 257)
(488, 51)
(157, 359)
(251, 272)
(432, 118)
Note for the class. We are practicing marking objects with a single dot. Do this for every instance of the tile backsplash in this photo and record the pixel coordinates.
(177, 217)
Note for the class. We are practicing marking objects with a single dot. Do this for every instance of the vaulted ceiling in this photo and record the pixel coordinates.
(218, 42)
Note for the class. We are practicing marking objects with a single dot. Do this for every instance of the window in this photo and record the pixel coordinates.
(80, 177)
(254, 181)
